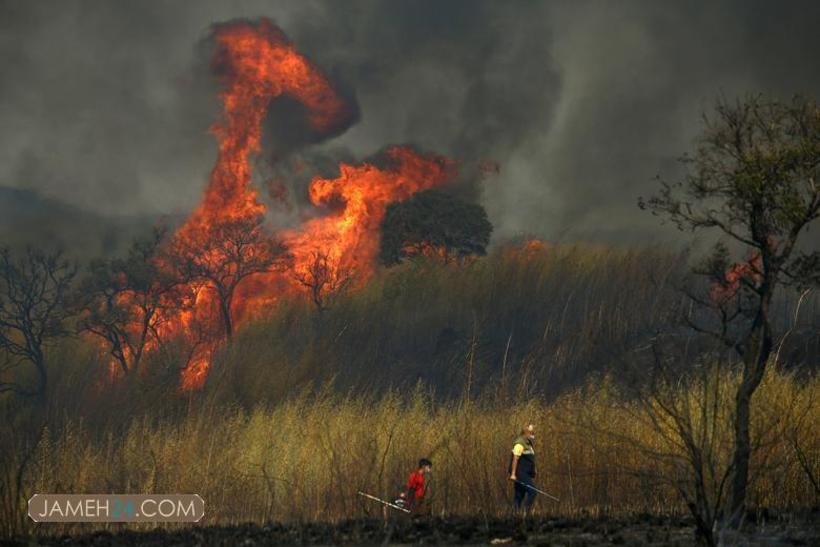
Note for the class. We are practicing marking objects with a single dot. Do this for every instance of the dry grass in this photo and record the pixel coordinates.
(304, 459)
(533, 324)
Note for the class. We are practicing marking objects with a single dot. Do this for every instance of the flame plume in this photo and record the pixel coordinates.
(256, 63)
(349, 236)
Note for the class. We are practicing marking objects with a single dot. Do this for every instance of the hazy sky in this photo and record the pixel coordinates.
(106, 104)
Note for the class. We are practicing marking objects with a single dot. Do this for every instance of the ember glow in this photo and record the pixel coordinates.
(256, 64)
(739, 273)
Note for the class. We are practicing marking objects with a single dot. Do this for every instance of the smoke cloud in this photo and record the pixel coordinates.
(107, 105)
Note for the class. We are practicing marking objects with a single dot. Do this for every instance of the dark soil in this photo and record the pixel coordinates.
(641, 530)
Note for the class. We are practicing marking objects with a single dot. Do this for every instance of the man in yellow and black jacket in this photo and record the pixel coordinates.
(522, 468)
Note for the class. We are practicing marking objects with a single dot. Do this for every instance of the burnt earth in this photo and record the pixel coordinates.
(472, 530)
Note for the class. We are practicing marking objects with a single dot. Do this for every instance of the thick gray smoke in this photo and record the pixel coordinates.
(107, 105)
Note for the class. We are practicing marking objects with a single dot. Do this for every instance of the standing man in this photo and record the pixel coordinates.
(522, 468)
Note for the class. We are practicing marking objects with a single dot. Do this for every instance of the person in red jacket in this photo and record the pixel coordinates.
(417, 486)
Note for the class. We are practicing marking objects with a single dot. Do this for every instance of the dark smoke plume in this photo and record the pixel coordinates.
(578, 104)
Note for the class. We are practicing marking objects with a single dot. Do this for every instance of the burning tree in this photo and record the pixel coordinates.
(34, 296)
(222, 242)
(128, 300)
(223, 255)
(323, 279)
(433, 222)
(753, 177)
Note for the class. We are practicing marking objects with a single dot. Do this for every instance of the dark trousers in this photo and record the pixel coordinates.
(523, 495)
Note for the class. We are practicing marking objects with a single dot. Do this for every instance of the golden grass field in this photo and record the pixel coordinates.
(428, 360)
(305, 459)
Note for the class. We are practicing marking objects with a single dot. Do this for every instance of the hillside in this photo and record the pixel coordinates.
(28, 218)
(532, 318)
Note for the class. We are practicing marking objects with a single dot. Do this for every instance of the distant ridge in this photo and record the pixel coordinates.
(29, 218)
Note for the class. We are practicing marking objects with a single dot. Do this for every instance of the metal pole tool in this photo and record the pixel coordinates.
(387, 503)
(531, 487)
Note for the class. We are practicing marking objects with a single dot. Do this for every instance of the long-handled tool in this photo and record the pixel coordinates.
(387, 503)
(531, 487)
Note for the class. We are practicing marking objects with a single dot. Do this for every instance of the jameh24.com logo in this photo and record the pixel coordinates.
(116, 508)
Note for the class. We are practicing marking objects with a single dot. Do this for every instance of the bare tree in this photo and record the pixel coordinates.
(226, 253)
(679, 404)
(323, 280)
(126, 301)
(34, 293)
(754, 178)
(690, 441)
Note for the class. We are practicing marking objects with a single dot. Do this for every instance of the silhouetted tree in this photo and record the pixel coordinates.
(436, 222)
(753, 177)
(127, 300)
(323, 279)
(34, 294)
(224, 254)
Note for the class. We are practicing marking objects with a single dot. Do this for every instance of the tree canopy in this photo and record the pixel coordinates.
(433, 221)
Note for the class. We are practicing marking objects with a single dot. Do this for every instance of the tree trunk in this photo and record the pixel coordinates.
(754, 366)
(225, 307)
(42, 374)
(147, 315)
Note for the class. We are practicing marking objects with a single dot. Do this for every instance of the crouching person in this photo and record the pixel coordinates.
(417, 487)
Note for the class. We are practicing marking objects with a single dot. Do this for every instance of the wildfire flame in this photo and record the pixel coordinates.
(349, 236)
(731, 283)
(256, 63)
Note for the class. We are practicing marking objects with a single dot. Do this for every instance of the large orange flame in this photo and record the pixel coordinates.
(349, 236)
(256, 64)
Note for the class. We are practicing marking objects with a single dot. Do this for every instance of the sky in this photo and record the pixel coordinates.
(106, 105)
